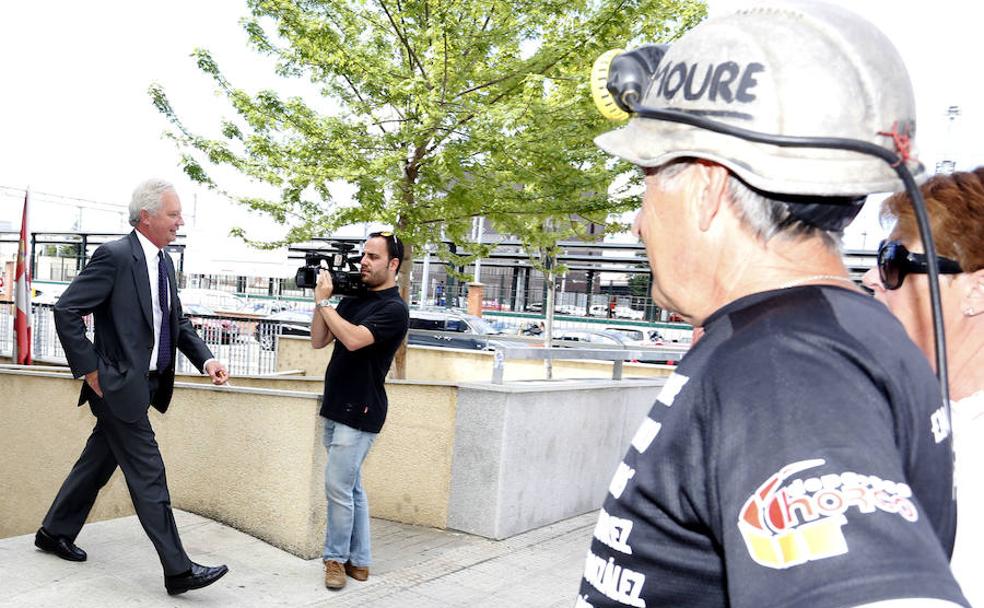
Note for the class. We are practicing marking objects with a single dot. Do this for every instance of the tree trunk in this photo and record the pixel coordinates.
(406, 268)
(400, 360)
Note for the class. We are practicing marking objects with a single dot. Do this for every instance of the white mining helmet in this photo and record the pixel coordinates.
(791, 69)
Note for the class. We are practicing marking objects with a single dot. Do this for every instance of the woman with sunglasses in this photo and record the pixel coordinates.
(955, 204)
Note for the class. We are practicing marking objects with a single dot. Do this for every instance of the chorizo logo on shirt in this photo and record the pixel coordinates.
(787, 524)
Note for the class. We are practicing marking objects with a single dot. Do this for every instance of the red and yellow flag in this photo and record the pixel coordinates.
(22, 296)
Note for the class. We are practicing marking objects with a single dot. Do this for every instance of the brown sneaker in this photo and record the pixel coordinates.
(359, 573)
(334, 574)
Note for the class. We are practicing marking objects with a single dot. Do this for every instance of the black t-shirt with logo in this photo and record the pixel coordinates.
(354, 381)
(799, 456)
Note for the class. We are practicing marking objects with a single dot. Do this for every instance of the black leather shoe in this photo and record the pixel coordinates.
(199, 576)
(62, 547)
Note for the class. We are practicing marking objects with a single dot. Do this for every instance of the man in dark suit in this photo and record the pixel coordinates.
(130, 289)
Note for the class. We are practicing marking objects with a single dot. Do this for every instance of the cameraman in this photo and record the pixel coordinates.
(366, 330)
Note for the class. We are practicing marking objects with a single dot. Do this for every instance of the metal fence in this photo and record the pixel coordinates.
(44, 343)
(512, 323)
(246, 347)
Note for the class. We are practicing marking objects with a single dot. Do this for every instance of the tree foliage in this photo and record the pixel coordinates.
(435, 111)
(639, 285)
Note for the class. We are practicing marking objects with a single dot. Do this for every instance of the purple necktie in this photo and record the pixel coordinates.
(164, 346)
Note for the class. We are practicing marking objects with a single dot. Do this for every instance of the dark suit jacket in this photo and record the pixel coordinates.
(115, 288)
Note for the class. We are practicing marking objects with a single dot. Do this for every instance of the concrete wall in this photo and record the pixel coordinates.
(420, 427)
(41, 435)
(528, 456)
(407, 475)
(245, 457)
(295, 353)
(430, 363)
(489, 460)
(250, 458)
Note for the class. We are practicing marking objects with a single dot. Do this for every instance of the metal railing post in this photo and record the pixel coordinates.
(498, 366)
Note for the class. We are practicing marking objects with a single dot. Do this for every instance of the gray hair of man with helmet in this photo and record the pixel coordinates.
(790, 69)
(148, 196)
(766, 215)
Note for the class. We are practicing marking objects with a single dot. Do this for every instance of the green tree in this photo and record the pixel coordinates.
(639, 285)
(437, 111)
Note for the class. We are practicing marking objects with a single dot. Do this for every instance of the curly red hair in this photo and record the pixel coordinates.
(955, 204)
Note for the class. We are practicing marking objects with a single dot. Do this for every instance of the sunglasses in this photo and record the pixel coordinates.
(386, 234)
(393, 245)
(895, 262)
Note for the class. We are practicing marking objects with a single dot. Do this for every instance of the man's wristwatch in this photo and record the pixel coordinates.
(323, 303)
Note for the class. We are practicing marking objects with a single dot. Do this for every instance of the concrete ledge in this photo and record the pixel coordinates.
(527, 456)
(430, 364)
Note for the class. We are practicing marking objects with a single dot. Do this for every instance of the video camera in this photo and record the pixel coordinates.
(344, 270)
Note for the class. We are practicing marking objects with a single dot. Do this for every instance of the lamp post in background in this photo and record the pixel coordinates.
(947, 165)
(425, 279)
(476, 290)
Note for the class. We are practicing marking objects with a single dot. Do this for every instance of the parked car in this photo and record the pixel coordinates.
(609, 340)
(447, 329)
(221, 301)
(638, 336)
(210, 327)
(598, 310)
(618, 312)
(567, 309)
(592, 337)
(457, 330)
(624, 312)
(266, 306)
(283, 323)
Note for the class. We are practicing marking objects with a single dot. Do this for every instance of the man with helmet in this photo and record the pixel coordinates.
(796, 456)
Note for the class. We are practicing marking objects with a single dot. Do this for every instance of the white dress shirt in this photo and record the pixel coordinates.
(150, 254)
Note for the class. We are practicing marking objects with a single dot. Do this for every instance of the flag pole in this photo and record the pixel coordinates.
(23, 321)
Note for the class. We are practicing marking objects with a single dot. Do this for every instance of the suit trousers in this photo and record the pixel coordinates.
(132, 447)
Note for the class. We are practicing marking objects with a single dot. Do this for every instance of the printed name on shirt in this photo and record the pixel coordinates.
(674, 384)
(645, 435)
(614, 581)
(788, 525)
(614, 532)
(939, 422)
(621, 478)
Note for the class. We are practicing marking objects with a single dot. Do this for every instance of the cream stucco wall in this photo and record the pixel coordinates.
(41, 436)
(295, 353)
(445, 364)
(249, 457)
(407, 474)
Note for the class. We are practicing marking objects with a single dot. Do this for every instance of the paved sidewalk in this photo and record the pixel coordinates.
(414, 567)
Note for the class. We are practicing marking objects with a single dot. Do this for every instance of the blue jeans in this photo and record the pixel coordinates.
(347, 536)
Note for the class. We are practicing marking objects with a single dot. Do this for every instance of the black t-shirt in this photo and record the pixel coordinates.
(354, 381)
(798, 457)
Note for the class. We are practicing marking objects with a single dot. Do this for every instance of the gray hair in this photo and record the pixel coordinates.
(764, 216)
(148, 196)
